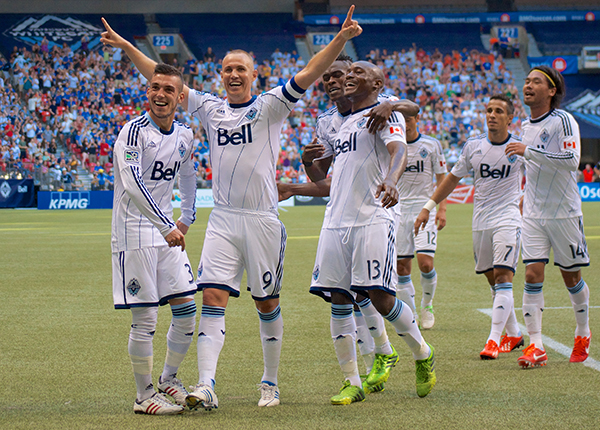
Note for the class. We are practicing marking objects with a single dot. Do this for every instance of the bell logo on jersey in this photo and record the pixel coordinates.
(158, 174)
(418, 167)
(485, 171)
(225, 137)
(570, 145)
(346, 146)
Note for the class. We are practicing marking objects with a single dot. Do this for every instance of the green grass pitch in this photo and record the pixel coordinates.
(64, 362)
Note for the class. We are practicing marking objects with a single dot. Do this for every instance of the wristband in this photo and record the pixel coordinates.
(307, 163)
(431, 204)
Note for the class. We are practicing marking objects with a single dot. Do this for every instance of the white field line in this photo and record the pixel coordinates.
(551, 343)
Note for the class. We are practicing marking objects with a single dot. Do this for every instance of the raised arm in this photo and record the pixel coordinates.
(323, 59)
(144, 64)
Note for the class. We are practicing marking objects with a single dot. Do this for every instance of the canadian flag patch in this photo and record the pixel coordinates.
(396, 129)
(570, 145)
(442, 163)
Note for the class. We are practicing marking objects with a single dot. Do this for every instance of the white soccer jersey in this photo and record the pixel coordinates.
(497, 181)
(244, 145)
(425, 158)
(553, 154)
(146, 162)
(361, 163)
(330, 122)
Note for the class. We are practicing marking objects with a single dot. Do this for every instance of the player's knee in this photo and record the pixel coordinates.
(266, 306)
(571, 278)
(534, 273)
(143, 323)
(404, 267)
(184, 316)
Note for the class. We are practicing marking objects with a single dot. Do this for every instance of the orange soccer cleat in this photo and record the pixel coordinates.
(581, 350)
(507, 343)
(490, 352)
(532, 357)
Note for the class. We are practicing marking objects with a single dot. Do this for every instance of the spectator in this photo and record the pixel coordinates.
(588, 173)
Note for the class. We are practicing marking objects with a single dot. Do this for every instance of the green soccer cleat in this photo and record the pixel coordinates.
(372, 388)
(382, 367)
(348, 394)
(425, 374)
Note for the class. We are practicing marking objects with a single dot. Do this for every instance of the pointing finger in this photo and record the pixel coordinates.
(349, 16)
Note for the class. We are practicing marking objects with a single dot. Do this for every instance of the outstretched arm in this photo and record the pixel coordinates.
(323, 59)
(144, 64)
(380, 114)
(313, 189)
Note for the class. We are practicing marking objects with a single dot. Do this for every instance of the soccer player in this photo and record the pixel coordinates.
(317, 157)
(149, 269)
(496, 217)
(356, 251)
(552, 216)
(243, 231)
(425, 159)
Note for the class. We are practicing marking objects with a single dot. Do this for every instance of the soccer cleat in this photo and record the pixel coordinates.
(382, 366)
(269, 395)
(490, 352)
(204, 395)
(532, 357)
(372, 388)
(507, 343)
(581, 350)
(427, 318)
(175, 389)
(425, 371)
(157, 405)
(348, 394)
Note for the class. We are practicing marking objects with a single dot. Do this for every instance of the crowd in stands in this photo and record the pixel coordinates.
(62, 110)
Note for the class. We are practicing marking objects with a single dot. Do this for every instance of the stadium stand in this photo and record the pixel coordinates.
(565, 38)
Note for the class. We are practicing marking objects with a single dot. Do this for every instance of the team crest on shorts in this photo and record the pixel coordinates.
(544, 136)
(199, 271)
(424, 153)
(316, 273)
(251, 113)
(181, 149)
(133, 287)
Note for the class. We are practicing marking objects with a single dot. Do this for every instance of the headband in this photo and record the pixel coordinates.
(546, 75)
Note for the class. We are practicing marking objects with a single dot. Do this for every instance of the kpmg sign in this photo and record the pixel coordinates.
(75, 200)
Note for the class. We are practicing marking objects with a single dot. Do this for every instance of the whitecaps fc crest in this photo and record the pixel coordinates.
(181, 149)
(133, 287)
(56, 30)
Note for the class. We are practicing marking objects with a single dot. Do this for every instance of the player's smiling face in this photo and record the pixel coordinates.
(237, 74)
(333, 79)
(164, 92)
(497, 116)
(362, 81)
(537, 90)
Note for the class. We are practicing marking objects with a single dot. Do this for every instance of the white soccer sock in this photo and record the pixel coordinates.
(271, 333)
(179, 338)
(366, 344)
(211, 336)
(406, 292)
(376, 326)
(512, 325)
(580, 298)
(501, 309)
(428, 283)
(406, 327)
(343, 332)
(143, 325)
(533, 306)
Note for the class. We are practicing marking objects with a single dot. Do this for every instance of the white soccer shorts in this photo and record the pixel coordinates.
(565, 237)
(151, 276)
(407, 242)
(237, 240)
(355, 259)
(496, 248)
